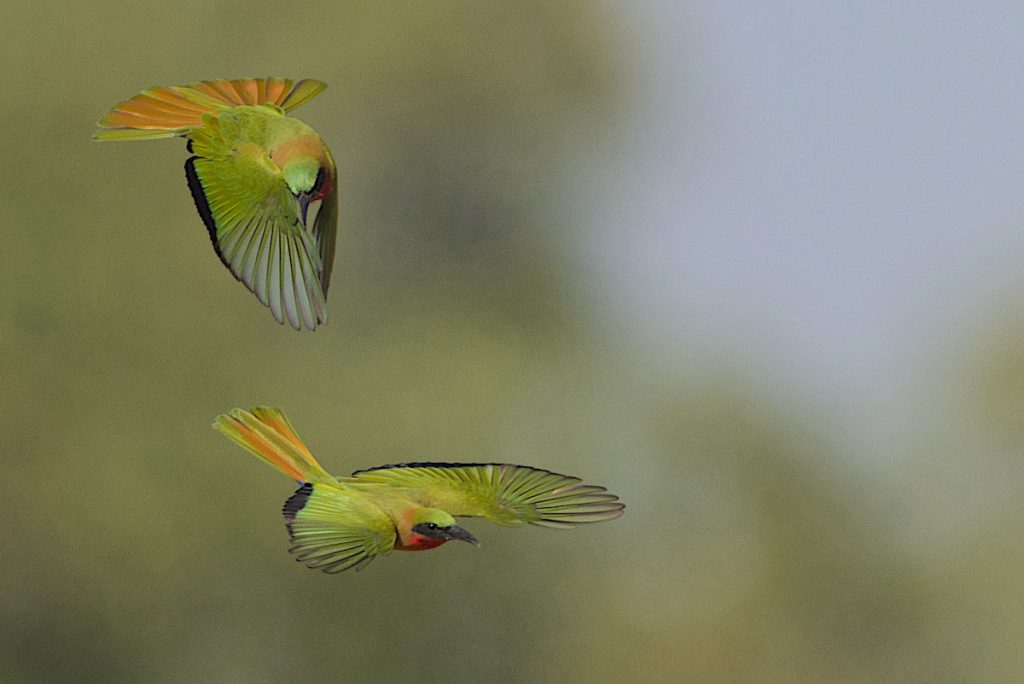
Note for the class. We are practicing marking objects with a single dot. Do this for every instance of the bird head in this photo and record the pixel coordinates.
(306, 179)
(437, 525)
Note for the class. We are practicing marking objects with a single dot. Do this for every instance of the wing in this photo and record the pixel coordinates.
(503, 493)
(325, 226)
(168, 111)
(255, 226)
(333, 531)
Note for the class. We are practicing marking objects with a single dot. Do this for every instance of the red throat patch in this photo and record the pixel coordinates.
(417, 542)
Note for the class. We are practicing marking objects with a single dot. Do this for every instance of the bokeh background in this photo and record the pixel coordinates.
(759, 270)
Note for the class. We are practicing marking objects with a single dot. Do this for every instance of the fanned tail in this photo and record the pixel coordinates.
(170, 111)
(267, 434)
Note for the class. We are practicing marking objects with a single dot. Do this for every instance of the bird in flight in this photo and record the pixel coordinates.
(338, 523)
(253, 175)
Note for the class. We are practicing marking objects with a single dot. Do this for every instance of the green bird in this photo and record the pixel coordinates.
(253, 175)
(337, 523)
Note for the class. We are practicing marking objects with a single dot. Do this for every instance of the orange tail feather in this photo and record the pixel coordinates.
(169, 111)
(267, 434)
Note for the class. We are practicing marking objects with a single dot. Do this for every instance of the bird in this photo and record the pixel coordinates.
(253, 174)
(339, 523)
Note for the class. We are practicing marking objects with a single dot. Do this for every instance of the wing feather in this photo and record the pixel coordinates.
(255, 227)
(274, 279)
(247, 260)
(301, 295)
(260, 259)
(288, 285)
(325, 226)
(335, 530)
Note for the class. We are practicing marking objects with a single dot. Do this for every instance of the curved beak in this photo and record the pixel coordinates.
(456, 532)
(304, 199)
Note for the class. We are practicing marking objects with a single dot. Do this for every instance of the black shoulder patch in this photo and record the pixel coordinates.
(295, 503)
(202, 206)
(427, 464)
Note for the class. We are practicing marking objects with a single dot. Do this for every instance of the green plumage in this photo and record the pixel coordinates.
(252, 215)
(506, 494)
(337, 523)
(332, 530)
(254, 174)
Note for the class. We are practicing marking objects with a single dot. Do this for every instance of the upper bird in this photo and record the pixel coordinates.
(337, 523)
(253, 175)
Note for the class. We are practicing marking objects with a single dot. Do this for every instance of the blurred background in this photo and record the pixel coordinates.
(758, 270)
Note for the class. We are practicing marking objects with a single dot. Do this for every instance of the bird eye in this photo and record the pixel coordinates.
(321, 176)
(431, 526)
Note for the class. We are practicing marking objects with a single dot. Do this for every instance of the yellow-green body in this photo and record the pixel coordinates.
(254, 173)
(337, 523)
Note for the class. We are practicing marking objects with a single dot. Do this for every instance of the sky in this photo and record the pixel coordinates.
(831, 190)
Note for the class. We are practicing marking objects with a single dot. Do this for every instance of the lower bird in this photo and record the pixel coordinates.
(253, 175)
(338, 523)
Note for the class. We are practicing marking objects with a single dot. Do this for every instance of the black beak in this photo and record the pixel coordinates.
(456, 532)
(304, 199)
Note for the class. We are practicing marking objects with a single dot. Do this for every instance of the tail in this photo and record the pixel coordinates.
(169, 111)
(267, 434)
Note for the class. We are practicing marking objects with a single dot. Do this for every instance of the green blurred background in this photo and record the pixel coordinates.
(138, 544)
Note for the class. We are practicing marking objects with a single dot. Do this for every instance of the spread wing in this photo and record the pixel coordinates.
(333, 531)
(503, 493)
(255, 226)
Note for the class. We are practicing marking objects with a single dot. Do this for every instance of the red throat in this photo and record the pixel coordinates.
(417, 542)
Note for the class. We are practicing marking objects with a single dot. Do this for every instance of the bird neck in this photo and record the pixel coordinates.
(299, 155)
(417, 542)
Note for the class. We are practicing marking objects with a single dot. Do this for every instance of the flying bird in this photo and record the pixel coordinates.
(253, 175)
(338, 523)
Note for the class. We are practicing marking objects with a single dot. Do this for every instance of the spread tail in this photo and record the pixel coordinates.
(169, 111)
(267, 434)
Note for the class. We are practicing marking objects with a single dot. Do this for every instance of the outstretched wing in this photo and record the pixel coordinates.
(333, 531)
(255, 226)
(168, 111)
(506, 494)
